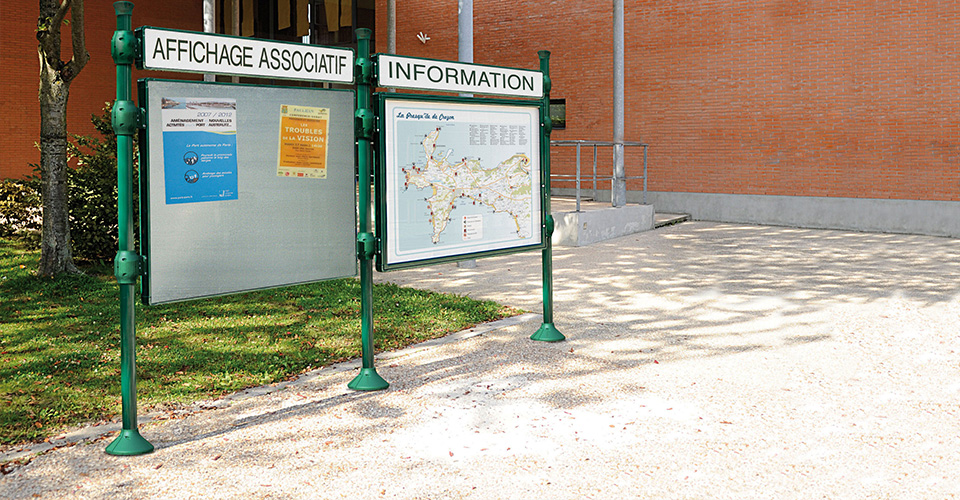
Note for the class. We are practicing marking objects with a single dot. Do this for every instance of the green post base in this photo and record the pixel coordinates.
(548, 333)
(368, 380)
(129, 442)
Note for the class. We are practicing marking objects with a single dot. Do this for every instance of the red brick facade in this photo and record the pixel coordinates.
(785, 97)
(96, 84)
(779, 97)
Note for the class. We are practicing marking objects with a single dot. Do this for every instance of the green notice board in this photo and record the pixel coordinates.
(459, 179)
(244, 188)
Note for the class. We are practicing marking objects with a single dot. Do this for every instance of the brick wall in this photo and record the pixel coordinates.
(96, 84)
(437, 19)
(784, 97)
(787, 97)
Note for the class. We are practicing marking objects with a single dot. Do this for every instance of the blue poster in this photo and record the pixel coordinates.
(199, 149)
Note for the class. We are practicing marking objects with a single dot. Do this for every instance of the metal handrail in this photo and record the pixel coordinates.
(612, 177)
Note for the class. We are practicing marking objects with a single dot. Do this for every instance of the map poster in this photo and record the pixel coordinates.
(459, 179)
(303, 141)
(199, 149)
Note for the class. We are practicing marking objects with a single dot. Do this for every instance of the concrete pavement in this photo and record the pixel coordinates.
(703, 360)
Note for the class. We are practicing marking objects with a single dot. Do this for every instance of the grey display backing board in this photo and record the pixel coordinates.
(278, 231)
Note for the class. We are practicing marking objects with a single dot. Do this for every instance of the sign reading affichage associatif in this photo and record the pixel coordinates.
(428, 74)
(205, 53)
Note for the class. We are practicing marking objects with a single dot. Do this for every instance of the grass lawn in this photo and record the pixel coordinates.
(60, 340)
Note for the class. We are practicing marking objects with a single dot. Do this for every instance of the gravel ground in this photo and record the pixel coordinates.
(703, 360)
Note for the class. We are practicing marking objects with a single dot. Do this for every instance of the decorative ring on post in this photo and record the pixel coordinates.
(124, 47)
(125, 117)
(126, 267)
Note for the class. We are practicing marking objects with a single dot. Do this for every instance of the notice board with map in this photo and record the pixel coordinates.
(459, 179)
(245, 187)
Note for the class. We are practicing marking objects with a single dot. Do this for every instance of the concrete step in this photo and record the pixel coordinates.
(665, 219)
(592, 225)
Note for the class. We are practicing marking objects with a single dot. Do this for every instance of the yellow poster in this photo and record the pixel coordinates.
(303, 142)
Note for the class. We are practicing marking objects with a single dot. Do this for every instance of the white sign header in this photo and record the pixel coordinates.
(206, 53)
(428, 74)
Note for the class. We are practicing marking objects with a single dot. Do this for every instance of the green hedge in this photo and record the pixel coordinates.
(20, 210)
(93, 197)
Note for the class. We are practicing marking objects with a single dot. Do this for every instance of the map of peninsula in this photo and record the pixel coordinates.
(459, 178)
(504, 187)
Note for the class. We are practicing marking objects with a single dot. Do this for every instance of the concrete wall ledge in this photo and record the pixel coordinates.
(934, 218)
(577, 229)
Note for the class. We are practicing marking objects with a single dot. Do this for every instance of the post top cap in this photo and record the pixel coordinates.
(123, 8)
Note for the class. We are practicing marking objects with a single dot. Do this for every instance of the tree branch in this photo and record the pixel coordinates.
(80, 54)
(60, 15)
(48, 31)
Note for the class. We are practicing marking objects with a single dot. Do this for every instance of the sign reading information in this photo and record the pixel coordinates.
(205, 53)
(428, 74)
(460, 179)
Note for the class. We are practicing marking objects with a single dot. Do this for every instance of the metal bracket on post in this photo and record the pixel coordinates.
(363, 70)
(546, 121)
(363, 124)
(126, 267)
(366, 246)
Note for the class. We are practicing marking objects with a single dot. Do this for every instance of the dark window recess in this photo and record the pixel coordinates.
(558, 113)
(323, 22)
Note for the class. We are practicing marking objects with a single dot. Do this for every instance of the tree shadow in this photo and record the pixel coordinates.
(683, 293)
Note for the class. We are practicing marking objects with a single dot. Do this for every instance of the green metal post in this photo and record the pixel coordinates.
(368, 379)
(547, 331)
(126, 120)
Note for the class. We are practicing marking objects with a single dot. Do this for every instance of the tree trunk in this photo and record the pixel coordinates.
(55, 77)
(55, 252)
